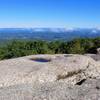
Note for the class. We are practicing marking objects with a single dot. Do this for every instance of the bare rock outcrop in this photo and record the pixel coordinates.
(50, 77)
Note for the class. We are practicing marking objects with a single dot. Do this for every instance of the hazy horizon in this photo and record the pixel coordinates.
(53, 27)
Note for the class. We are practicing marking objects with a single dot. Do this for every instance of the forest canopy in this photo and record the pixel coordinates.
(19, 48)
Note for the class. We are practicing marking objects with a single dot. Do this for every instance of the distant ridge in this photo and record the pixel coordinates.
(48, 33)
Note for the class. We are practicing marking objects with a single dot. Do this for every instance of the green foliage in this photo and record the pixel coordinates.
(18, 48)
(56, 47)
(75, 47)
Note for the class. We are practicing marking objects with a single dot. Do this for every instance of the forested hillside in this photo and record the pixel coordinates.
(18, 48)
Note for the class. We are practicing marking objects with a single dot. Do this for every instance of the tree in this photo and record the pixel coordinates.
(74, 47)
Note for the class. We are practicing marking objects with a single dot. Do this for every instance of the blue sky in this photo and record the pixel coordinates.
(50, 13)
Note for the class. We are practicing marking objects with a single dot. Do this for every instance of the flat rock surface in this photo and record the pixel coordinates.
(50, 77)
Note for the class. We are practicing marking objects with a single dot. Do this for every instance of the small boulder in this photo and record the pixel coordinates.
(98, 50)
